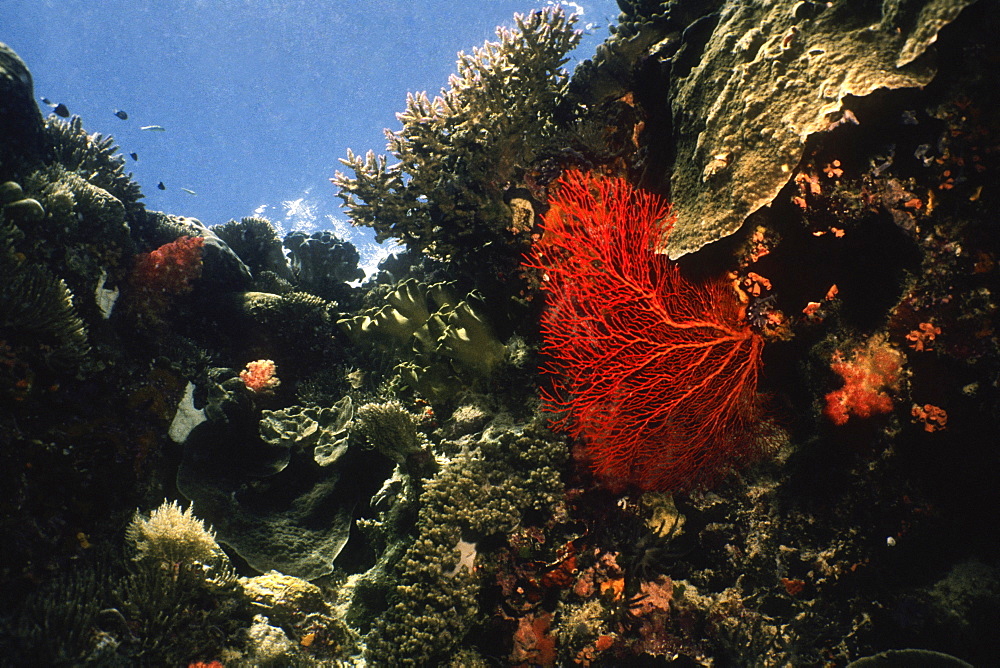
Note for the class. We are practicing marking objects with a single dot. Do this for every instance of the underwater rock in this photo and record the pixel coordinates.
(785, 73)
(20, 120)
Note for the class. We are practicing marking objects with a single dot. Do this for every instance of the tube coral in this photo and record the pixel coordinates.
(657, 374)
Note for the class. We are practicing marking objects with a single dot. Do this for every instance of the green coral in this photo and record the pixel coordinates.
(388, 428)
(483, 492)
(459, 154)
(322, 429)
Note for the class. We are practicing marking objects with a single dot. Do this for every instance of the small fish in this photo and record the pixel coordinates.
(121, 114)
(189, 191)
(48, 101)
(134, 156)
(61, 110)
(161, 186)
(153, 128)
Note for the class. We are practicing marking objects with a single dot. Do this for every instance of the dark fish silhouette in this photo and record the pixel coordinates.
(121, 114)
(58, 109)
(161, 186)
(134, 156)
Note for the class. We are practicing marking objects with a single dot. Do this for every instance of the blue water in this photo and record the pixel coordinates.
(259, 98)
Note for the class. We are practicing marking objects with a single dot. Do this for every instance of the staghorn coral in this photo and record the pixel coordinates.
(459, 153)
(656, 373)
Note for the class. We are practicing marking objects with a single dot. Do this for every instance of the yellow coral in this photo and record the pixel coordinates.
(173, 536)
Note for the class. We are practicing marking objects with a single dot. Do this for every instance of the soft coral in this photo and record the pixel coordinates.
(869, 375)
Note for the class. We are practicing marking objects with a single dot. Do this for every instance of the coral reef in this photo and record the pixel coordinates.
(323, 264)
(295, 517)
(791, 66)
(20, 121)
(256, 242)
(397, 498)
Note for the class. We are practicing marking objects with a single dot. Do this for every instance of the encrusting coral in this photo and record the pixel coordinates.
(497, 477)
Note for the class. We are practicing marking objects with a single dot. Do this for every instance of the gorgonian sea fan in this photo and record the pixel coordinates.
(654, 373)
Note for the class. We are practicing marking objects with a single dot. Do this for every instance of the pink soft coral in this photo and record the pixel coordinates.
(869, 375)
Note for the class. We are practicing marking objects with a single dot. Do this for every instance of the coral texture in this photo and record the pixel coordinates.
(767, 76)
(656, 373)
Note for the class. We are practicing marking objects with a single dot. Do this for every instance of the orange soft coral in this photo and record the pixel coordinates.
(869, 375)
(260, 376)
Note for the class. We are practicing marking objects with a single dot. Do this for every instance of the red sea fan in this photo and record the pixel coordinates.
(655, 374)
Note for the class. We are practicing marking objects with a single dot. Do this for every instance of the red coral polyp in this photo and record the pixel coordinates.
(654, 373)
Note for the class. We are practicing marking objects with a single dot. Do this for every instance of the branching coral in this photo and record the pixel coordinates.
(459, 153)
(657, 374)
